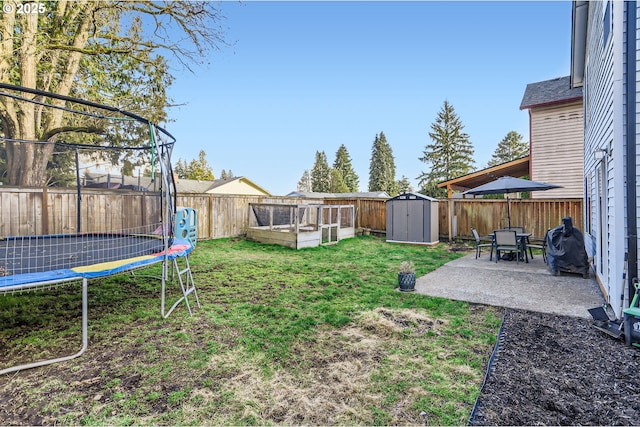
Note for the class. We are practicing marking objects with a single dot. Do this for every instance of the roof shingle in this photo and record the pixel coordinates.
(548, 92)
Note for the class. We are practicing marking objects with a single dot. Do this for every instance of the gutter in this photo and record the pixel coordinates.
(552, 103)
(632, 225)
(579, 19)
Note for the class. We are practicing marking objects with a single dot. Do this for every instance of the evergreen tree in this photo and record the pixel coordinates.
(127, 168)
(320, 174)
(511, 147)
(404, 186)
(226, 175)
(196, 169)
(337, 183)
(200, 169)
(450, 154)
(382, 168)
(181, 169)
(305, 182)
(343, 164)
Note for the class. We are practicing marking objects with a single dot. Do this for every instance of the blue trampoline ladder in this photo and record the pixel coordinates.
(186, 219)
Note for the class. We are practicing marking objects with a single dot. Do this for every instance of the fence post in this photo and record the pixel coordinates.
(450, 218)
(45, 211)
(211, 216)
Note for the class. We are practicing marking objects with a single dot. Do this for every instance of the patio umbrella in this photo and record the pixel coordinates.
(509, 184)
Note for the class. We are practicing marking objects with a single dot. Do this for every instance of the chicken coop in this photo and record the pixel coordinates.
(300, 225)
(412, 218)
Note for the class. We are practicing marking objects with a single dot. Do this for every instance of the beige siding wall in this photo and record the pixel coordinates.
(238, 187)
(557, 147)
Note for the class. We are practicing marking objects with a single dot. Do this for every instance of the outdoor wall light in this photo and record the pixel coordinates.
(600, 153)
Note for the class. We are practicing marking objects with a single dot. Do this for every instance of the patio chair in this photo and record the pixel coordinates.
(542, 247)
(480, 245)
(526, 239)
(507, 241)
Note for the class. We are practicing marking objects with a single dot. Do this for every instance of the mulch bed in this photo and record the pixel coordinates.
(555, 370)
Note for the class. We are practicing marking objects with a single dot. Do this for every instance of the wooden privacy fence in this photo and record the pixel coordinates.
(486, 215)
(371, 214)
(38, 211)
(42, 211)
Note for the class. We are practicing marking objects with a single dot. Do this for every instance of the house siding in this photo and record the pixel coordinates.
(238, 187)
(604, 129)
(637, 133)
(557, 149)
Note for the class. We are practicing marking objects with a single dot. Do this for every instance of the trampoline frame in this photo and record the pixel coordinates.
(178, 232)
(187, 286)
(85, 324)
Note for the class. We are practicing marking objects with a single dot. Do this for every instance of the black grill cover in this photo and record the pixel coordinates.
(565, 249)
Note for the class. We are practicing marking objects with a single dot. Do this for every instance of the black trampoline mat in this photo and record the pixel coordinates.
(33, 254)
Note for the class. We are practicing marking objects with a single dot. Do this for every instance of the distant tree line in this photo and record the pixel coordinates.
(449, 155)
(198, 169)
(341, 177)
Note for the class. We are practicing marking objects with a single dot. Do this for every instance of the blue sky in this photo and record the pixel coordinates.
(301, 77)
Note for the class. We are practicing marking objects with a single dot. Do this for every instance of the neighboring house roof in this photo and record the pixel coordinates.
(550, 92)
(192, 186)
(102, 180)
(237, 185)
(364, 194)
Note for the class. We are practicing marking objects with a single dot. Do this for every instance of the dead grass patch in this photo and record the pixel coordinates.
(334, 384)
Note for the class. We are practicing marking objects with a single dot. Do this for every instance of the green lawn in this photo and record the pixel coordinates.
(315, 336)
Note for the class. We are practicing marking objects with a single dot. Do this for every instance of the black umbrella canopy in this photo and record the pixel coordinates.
(509, 184)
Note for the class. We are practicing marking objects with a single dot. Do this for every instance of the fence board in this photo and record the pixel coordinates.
(371, 214)
(486, 215)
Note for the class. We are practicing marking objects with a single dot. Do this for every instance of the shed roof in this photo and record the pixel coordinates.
(317, 195)
(550, 92)
(412, 196)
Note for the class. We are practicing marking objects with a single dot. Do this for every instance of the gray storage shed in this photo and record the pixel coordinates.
(412, 218)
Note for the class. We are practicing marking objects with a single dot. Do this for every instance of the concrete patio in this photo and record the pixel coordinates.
(526, 286)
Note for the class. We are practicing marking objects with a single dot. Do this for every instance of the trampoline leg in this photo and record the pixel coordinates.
(85, 340)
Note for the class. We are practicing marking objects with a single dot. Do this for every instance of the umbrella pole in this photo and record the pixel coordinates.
(508, 210)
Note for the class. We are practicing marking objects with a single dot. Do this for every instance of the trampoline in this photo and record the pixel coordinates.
(32, 262)
(157, 231)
